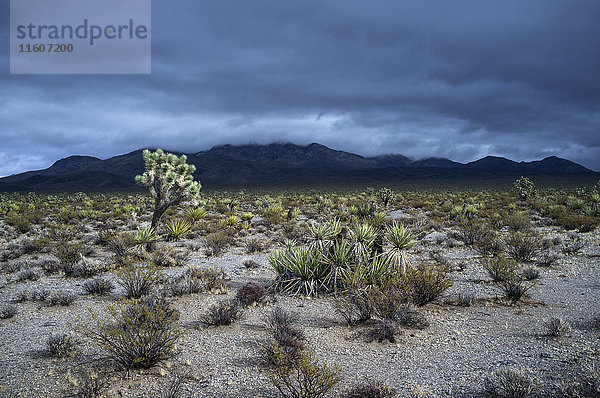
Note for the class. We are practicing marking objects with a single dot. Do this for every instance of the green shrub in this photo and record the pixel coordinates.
(523, 247)
(501, 268)
(138, 335)
(138, 280)
(99, 286)
(215, 244)
(424, 284)
(525, 188)
(304, 378)
(176, 229)
(300, 271)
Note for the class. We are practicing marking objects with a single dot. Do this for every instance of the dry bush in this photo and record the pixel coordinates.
(138, 280)
(251, 293)
(137, 335)
(224, 313)
(371, 389)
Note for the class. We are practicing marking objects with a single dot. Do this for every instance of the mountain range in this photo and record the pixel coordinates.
(273, 164)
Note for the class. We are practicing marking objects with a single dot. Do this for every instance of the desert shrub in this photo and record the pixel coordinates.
(582, 223)
(215, 244)
(469, 231)
(120, 243)
(572, 247)
(138, 280)
(384, 329)
(251, 293)
(510, 383)
(250, 264)
(406, 316)
(38, 295)
(586, 385)
(514, 289)
(62, 346)
(28, 274)
(556, 327)
(523, 247)
(547, 259)
(530, 274)
(68, 253)
(487, 242)
(189, 282)
(63, 298)
(465, 299)
(214, 279)
(145, 237)
(424, 284)
(21, 223)
(51, 266)
(90, 384)
(224, 313)
(99, 285)
(371, 389)
(195, 214)
(303, 378)
(518, 221)
(286, 338)
(138, 335)
(355, 307)
(166, 256)
(7, 311)
(254, 246)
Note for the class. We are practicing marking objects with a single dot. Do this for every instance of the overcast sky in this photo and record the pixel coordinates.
(456, 79)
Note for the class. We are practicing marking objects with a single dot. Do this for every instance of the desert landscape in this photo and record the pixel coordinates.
(366, 292)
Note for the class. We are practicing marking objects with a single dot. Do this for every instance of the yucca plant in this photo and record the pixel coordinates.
(340, 259)
(176, 229)
(401, 239)
(195, 214)
(362, 236)
(300, 270)
(367, 274)
(145, 236)
(322, 235)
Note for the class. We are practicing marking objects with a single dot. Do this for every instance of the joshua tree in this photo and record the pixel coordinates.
(525, 187)
(170, 181)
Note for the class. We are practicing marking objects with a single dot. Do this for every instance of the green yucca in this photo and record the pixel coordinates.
(339, 260)
(176, 229)
(300, 271)
(195, 214)
(401, 239)
(145, 236)
(322, 235)
(368, 274)
(362, 235)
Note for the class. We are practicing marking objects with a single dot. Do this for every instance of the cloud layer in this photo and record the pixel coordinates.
(457, 79)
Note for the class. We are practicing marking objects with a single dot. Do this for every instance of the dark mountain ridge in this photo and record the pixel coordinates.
(228, 165)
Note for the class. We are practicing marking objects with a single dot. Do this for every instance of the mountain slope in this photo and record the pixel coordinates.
(275, 164)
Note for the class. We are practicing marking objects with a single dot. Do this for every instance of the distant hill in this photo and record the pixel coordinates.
(229, 165)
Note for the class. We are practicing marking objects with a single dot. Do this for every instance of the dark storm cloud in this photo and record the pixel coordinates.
(459, 79)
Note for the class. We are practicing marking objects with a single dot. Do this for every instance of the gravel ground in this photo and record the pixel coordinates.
(451, 358)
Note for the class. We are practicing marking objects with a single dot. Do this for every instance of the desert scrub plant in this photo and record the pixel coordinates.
(62, 346)
(384, 329)
(339, 259)
(514, 289)
(251, 293)
(137, 335)
(386, 196)
(400, 239)
(138, 280)
(7, 311)
(63, 298)
(371, 389)
(170, 181)
(556, 327)
(287, 338)
(215, 244)
(500, 268)
(303, 378)
(525, 188)
(254, 246)
(27, 274)
(214, 279)
(523, 247)
(425, 283)
(99, 286)
(530, 274)
(511, 383)
(223, 313)
(68, 253)
(355, 306)
(176, 229)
